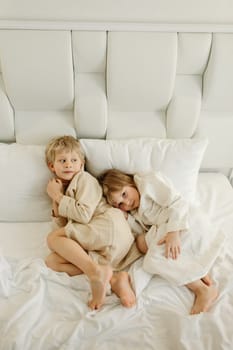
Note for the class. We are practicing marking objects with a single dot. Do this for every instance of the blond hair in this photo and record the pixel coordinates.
(113, 180)
(63, 143)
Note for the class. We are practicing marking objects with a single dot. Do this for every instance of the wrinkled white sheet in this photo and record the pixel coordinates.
(200, 246)
(41, 309)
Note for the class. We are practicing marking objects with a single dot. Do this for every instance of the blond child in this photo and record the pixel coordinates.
(92, 237)
(167, 221)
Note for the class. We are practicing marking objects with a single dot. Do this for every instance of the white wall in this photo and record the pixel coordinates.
(154, 11)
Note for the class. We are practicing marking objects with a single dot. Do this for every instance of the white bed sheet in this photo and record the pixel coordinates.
(41, 309)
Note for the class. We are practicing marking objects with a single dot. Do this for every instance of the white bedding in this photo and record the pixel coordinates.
(41, 309)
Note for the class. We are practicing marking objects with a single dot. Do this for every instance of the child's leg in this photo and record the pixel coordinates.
(70, 250)
(121, 286)
(59, 264)
(204, 296)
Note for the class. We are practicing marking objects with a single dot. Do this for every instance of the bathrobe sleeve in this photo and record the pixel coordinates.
(82, 198)
(161, 203)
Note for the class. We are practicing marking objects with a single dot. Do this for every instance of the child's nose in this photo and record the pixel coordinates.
(127, 202)
(68, 163)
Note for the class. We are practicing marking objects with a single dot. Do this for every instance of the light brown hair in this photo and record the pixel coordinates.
(58, 144)
(114, 180)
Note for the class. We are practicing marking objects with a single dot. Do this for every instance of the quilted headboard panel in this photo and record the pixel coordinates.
(118, 84)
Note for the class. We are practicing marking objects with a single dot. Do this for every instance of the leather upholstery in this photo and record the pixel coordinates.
(116, 84)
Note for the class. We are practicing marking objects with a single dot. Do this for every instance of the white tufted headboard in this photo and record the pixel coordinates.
(115, 83)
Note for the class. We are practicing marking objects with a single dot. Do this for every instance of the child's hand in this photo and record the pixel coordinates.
(172, 241)
(55, 189)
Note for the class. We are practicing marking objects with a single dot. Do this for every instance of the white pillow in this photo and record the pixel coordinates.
(179, 159)
(23, 176)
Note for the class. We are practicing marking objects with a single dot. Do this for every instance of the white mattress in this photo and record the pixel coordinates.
(41, 309)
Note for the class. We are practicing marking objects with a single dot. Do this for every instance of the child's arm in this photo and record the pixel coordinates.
(55, 191)
(58, 219)
(172, 244)
(55, 209)
(162, 202)
(85, 198)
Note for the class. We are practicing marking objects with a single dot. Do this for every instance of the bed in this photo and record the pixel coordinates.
(139, 96)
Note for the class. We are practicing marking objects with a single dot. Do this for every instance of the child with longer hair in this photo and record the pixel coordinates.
(167, 221)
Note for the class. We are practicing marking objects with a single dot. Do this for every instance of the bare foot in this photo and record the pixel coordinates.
(99, 282)
(207, 280)
(121, 286)
(204, 298)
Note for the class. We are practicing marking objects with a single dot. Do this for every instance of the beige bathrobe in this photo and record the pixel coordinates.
(162, 210)
(100, 229)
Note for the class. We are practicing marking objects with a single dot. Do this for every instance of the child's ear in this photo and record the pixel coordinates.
(51, 167)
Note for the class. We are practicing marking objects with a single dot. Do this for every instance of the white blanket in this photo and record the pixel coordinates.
(200, 246)
(44, 310)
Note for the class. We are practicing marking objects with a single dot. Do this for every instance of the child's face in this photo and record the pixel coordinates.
(66, 165)
(126, 199)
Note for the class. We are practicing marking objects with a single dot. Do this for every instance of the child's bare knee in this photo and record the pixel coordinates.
(50, 239)
(48, 261)
(52, 236)
(51, 262)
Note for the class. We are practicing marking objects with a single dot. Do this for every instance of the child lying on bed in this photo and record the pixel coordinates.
(92, 238)
(167, 219)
